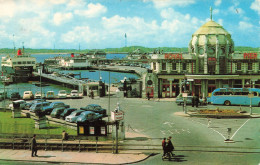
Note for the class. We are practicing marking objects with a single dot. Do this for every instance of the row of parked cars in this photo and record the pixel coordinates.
(90, 113)
(28, 95)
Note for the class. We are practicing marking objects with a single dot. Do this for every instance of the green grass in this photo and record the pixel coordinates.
(26, 126)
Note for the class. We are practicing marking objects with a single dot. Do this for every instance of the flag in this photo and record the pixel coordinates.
(125, 35)
(19, 52)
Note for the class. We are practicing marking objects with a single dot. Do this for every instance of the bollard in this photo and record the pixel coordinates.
(79, 145)
(46, 144)
(96, 144)
(62, 145)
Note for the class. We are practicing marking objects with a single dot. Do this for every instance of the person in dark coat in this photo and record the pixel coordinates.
(163, 146)
(169, 146)
(197, 100)
(148, 95)
(193, 101)
(34, 146)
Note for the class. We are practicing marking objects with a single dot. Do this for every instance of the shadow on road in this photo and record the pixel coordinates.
(48, 156)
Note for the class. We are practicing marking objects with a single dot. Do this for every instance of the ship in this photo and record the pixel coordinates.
(19, 67)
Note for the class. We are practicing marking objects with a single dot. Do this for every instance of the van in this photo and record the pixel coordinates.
(50, 95)
(28, 95)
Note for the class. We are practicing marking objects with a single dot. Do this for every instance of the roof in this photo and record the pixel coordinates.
(211, 27)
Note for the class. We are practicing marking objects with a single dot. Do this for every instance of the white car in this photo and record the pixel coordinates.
(74, 94)
(39, 95)
(73, 116)
(62, 94)
(27, 95)
(21, 102)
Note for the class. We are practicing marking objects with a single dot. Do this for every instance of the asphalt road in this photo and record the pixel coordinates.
(194, 141)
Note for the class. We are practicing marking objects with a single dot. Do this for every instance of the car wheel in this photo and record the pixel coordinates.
(227, 103)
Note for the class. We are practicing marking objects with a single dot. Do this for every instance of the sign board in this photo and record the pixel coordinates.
(103, 130)
(190, 79)
(184, 94)
(81, 130)
(250, 95)
(119, 115)
(91, 130)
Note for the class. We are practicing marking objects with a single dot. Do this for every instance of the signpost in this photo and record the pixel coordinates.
(116, 116)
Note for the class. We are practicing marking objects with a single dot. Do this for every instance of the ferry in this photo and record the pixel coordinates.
(20, 66)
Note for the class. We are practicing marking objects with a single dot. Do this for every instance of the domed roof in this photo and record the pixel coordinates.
(211, 27)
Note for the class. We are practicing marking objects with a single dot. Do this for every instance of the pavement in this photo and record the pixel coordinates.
(71, 157)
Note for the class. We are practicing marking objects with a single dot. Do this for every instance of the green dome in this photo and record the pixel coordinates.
(211, 27)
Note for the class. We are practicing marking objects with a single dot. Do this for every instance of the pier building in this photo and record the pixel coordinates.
(210, 63)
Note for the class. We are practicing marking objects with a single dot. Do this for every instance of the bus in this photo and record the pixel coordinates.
(236, 96)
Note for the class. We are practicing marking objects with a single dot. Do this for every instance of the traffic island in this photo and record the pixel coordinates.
(218, 113)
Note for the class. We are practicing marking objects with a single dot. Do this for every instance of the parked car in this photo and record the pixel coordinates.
(28, 95)
(73, 116)
(88, 116)
(180, 100)
(56, 112)
(19, 103)
(67, 112)
(39, 106)
(29, 104)
(15, 96)
(39, 95)
(50, 95)
(62, 94)
(53, 105)
(74, 94)
(95, 108)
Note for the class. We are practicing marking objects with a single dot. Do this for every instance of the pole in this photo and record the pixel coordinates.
(250, 98)
(185, 109)
(108, 98)
(116, 137)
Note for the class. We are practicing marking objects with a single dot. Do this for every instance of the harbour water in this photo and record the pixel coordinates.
(94, 76)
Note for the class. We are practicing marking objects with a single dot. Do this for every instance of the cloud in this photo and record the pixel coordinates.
(169, 3)
(245, 25)
(256, 6)
(215, 11)
(217, 2)
(60, 18)
(93, 10)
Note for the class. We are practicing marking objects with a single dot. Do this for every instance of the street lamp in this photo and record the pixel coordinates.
(185, 94)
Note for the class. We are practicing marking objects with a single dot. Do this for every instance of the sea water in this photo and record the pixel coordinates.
(97, 75)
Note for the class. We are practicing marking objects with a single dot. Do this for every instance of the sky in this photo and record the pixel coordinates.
(100, 24)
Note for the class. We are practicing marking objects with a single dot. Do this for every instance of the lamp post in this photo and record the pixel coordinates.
(185, 94)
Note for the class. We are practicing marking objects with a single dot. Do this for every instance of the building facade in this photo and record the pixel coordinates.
(210, 63)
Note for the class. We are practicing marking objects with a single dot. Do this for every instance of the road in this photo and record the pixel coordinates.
(194, 141)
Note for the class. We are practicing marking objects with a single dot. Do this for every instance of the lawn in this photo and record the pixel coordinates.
(26, 126)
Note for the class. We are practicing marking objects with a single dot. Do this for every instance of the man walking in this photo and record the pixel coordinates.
(163, 146)
(34, 146)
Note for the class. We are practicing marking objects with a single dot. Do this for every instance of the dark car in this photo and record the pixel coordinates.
(15, 96)
(95, 108)
(53, 105)
(67, 112)
(29, 104)
(180, 100)
(39, 106)
(88, 116)
(56, 112)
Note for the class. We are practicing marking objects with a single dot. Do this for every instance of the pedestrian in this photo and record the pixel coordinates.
(92, 94)
(148, 96)
(163, 146)
(197, 100)
(193, 101)
(64, 135)
(34, 146)
(169, 146)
